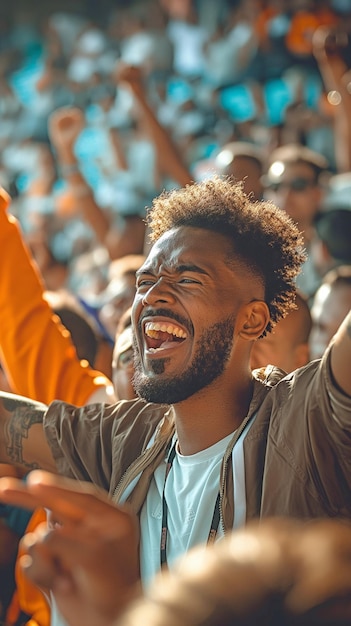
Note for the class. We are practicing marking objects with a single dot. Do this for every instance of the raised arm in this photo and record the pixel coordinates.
(35, 349)
(328, 47)
(169, 160)
(341, 356)
(65, 125)
(22, 439)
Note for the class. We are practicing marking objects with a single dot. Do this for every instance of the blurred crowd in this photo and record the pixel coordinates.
(100, 111)
(213, 73)
(153, 94)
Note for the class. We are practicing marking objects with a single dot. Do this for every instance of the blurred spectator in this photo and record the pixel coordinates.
(119, 293)
(272, 26)
(287, 345)
(294, 182)
(127, 234)
(279, 572)
(307, 17)
(187, 36)
(332, 51)
(143, 42)
(231, 48)
(244, 161)
(331, 245)
(54, 271)
(330, 304)
(123, 359)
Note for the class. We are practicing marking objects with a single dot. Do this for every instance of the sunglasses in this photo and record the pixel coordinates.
(296, 184)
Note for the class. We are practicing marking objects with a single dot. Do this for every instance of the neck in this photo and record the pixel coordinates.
(211, 414)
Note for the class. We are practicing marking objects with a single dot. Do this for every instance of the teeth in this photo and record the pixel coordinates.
(152, 333)
(153, 328)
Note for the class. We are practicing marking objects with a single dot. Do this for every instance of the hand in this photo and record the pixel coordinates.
(130, 76)
(330, 45)
(90, 558)
(65, 125)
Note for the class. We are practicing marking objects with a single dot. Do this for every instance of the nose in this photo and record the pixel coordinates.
(160, 292)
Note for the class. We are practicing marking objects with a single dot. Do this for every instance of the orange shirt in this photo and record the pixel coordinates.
(40, 362)
(302, 27)
(36, 350)
(27, 598)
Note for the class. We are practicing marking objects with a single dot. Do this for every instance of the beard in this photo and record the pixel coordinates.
(211, 356)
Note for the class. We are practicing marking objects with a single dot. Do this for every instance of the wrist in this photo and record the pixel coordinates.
(69, 168)
(80, 190)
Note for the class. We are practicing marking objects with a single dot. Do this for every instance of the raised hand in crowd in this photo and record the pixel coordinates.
(332, 50)
(122, 237)
(169, 160)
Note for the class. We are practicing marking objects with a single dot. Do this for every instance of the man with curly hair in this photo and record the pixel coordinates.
(208, 445)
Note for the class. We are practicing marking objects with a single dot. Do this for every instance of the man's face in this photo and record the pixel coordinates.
(184, 314)
(296, 192)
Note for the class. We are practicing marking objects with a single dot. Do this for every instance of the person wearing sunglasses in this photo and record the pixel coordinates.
(295, 181)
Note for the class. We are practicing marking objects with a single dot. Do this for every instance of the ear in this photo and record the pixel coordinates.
(252, 320)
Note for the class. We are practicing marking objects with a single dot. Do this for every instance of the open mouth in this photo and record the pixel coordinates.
(162, 335)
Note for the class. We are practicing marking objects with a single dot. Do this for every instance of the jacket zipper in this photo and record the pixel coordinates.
(142, 461)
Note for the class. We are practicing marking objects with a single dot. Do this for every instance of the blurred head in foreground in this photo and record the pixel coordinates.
(276, 572)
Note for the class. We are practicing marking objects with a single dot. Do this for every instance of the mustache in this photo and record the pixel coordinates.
(165, 313)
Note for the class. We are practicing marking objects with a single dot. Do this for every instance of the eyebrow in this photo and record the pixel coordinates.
(190, 268)
(180, 269)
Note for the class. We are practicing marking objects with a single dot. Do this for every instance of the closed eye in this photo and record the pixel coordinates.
(186, 280)
(145, 282)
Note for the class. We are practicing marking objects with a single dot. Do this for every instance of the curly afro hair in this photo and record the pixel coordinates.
(263, 237)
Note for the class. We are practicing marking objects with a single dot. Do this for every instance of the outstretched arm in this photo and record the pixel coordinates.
(341, 356)
(22, 439)
(90, 559)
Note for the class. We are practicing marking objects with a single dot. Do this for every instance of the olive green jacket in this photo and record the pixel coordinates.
(297, 452)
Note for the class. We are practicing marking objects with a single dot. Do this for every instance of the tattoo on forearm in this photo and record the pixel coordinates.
(24, 415)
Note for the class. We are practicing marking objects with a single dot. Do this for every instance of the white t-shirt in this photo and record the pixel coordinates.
(191, 491)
